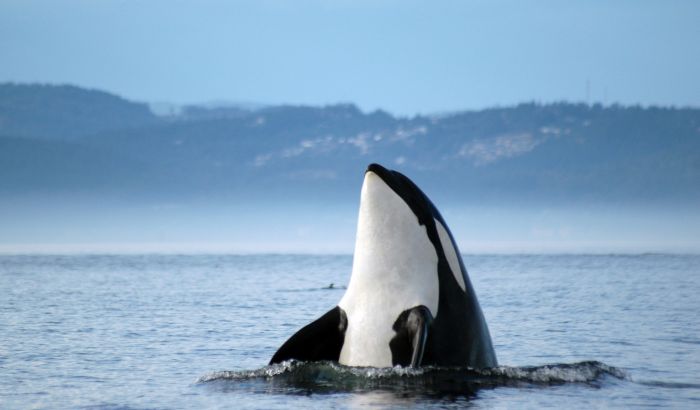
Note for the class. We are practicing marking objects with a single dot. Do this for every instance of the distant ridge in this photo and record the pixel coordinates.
(62, 139)
(65, 111)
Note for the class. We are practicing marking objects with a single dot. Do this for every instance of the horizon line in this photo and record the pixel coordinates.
(237, 249)
(217, 102)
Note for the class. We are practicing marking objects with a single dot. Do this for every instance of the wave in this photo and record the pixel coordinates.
(295, 377)
(330, 286)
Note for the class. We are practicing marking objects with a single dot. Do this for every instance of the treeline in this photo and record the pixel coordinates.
(66, 139)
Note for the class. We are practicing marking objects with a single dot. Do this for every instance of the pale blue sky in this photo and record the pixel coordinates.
(404, 56)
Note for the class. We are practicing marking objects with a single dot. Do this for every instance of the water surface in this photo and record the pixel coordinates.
(169, 331)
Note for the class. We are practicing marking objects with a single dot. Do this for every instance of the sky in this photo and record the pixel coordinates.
(403, 56)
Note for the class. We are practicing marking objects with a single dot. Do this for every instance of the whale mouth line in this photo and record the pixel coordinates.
(408, 191)
(376, 168)
(291, 377)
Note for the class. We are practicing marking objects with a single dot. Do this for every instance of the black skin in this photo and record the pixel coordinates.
(408, 346)
(456, 336)
(321, 339)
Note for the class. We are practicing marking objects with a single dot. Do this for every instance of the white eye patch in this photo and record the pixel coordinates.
(450, 254)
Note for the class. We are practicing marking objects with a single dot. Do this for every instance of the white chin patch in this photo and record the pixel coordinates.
(394, 269)
(451, 254)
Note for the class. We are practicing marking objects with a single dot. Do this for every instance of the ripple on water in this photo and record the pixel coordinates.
(294, 377)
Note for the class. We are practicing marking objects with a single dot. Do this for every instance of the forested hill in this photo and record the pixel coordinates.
(65, 112)
(66, 140)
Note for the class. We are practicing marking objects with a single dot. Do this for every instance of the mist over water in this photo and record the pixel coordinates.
(97, 226)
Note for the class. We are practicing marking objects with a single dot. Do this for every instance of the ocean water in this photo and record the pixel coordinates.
(196, 331)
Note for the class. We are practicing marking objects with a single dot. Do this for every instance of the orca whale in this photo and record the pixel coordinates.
(409, 301)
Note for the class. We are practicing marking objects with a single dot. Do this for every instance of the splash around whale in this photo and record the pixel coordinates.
(409, 301)
(325, 377)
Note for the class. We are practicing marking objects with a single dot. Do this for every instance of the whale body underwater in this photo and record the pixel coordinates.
(409, 301)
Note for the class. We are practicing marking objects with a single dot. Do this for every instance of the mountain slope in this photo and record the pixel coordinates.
(65, 111)
(568, 153)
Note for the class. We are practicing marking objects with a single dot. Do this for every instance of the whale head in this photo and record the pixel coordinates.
(394, 266)
(409, 300)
